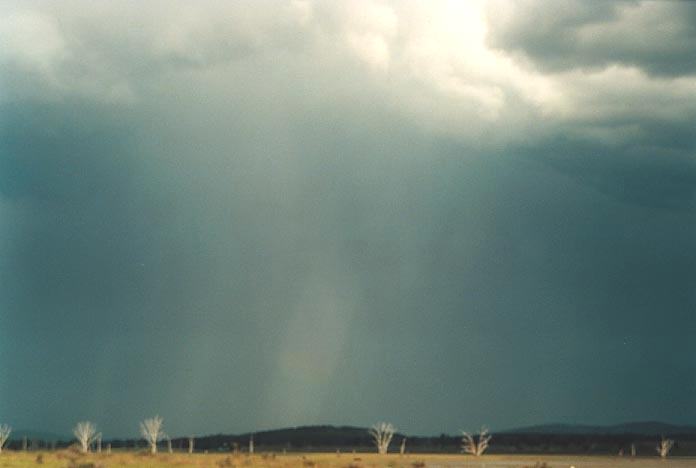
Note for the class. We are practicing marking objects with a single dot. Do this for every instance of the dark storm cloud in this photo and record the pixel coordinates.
(643, 173)
(656, 37)
(330, 216)
(69, 170)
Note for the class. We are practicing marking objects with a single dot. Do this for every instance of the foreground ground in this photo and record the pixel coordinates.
(69, 459)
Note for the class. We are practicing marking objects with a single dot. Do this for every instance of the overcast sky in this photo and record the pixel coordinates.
(252, 215)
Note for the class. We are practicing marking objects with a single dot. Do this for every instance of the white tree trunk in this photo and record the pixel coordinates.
(664, 447)
(474, 447)
(5, 432)
(151, 430)
(86, 433)
(382, 434)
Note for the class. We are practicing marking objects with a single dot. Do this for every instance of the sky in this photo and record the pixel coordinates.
(251, 215)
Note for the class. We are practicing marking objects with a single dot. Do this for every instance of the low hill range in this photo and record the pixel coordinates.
(642, 428)
(334, 434)
(343, 433)
(547, 438)
(551, 438)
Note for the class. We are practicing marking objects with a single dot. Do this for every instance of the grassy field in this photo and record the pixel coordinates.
(69, 459)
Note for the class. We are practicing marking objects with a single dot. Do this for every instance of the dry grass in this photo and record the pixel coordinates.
(70, 459)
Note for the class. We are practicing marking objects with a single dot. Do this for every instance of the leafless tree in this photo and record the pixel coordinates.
(402, 449)
(251, 444)
(190, 448)
(5, 432)
(151, 430)
(382, 434)
(476, 445)
(86, 434)
(664, 447)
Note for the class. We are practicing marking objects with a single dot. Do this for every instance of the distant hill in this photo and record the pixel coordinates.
(546, 438)
(549, 438)
(644, 428)
(293, 437)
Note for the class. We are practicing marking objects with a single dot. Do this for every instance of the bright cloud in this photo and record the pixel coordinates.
(461, 68)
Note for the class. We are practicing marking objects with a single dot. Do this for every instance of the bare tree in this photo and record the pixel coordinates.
(151, 430)
(86, 434)
(190, 448)
(5, 432)
(664, 447)
(402, 449)
(476, 445)
(382, 434)
(251, 444)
